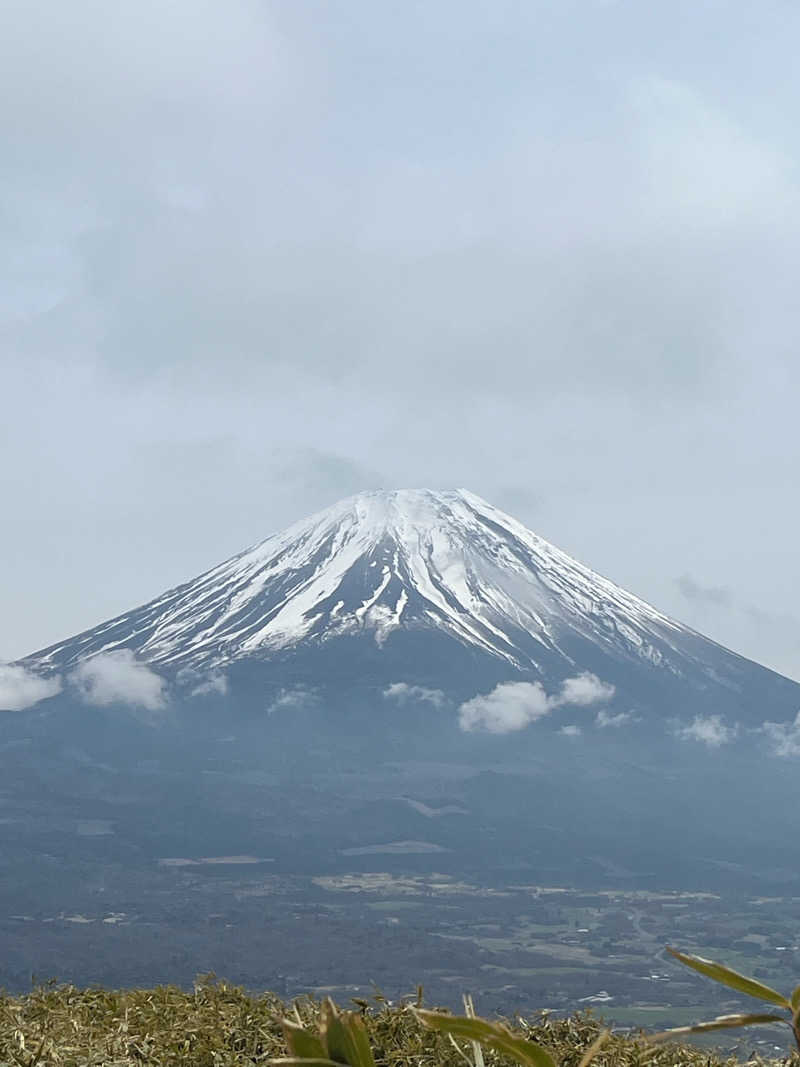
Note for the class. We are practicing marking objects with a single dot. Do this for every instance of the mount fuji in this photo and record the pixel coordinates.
(432, 589)
(407, 685)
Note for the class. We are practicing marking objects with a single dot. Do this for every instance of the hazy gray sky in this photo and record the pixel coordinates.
(257, 256)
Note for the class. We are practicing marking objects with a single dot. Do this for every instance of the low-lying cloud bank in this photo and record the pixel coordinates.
(114, 678)
(514, 705)
(403, 693)
(21, 688)
(119, 678)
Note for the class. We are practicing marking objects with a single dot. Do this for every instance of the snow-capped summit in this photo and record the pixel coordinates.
(388, 561)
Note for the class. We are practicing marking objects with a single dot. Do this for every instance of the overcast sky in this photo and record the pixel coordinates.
(256, 256)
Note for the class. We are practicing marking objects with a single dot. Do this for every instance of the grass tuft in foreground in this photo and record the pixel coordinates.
(219, 1025)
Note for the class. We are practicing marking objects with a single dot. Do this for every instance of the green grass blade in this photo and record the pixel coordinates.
(796, 1000)
(732, 979)
(334, 1036)
(301, 1043)
(344, 1037)
(492, 1034)
(358, 1036)
(723, 1022)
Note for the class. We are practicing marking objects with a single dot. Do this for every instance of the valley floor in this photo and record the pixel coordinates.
(516, 947)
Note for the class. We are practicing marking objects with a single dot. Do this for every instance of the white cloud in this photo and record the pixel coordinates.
(604, 719)
(710, 730)
(404, 693)
(585, 689)
(292, 699)
(118, 678)
(215, 684)
(514, 705)
(571, 731)
(785, 736)
(510, 706)
(21, 688)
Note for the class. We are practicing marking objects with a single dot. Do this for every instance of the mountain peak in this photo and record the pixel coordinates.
(398, 510)
(379, 562)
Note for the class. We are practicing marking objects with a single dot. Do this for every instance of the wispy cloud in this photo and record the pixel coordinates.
(697, 593)
(785, 736)
(293, 699)
(572, 730)
(21, 688)
(403, 693)
(215, 685)
(119, 678)
(514, 705)
(200, 684)
(604, 719)
(709, 730)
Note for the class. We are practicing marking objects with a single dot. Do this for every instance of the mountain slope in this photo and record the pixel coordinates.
(378, 562)
(385, 569)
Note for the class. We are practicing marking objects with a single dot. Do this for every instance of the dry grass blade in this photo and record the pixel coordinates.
(459, 1050)
(594, 1048)
(469, 1009)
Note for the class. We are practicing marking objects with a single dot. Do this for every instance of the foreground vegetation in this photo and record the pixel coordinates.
(219, 1024)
